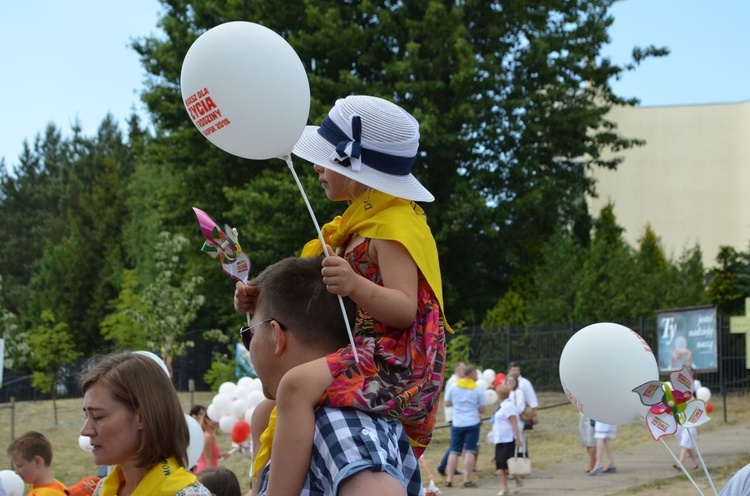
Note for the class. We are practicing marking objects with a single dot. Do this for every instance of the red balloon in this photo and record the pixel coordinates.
(709, 407)
(240, 431)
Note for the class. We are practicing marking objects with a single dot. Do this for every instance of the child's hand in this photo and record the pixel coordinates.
(245, 296)
(338, 275)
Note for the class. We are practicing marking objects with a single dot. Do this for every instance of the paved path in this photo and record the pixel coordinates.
(638, 465)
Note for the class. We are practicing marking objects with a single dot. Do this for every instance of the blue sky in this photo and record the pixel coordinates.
(70, 60)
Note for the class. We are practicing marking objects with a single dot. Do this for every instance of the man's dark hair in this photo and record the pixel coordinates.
(292, 291)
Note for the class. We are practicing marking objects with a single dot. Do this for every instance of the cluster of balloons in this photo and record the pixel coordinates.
(485, 383)
(232, 407)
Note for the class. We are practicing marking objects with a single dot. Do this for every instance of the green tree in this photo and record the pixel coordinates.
(166, 308)
(53, 348)
(556, 281)
(608, 280)
(17, 350)
(724, 287)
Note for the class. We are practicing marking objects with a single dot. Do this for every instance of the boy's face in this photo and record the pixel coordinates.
(28, 470)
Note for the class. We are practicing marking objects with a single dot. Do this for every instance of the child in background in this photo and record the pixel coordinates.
(31, 455)
(382, 255)
(506, 436)
(220, 481)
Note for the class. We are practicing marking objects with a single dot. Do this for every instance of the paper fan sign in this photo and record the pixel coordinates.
(225, 246)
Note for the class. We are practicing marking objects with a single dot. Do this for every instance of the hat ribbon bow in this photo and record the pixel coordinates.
(349, 151)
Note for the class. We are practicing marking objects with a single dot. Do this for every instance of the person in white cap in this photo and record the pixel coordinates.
(382, 255)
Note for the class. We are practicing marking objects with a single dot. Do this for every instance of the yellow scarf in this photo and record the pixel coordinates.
(166, 478)
(264, 452)
(377, 215)
(466, 383)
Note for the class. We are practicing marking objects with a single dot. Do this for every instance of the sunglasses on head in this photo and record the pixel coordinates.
(246, 332)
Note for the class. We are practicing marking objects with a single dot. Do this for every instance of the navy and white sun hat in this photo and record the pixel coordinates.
(370, 140)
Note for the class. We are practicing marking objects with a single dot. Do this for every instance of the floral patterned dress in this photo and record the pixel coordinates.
(400, 371)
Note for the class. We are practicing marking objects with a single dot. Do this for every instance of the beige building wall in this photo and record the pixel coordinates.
(691, 181)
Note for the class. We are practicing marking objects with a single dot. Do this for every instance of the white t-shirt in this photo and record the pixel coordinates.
(502, 429)
(466, 403)
(528, 391)
(448, 410)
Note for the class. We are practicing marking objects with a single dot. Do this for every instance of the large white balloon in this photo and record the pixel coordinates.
(246, 90)
(12, 482)
(195, 447)
(599, 368)
(491, 396)
(482, 384)
(703, 393)
(84, 442)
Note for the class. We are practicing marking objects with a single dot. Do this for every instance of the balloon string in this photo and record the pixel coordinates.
(682, 467)
(247, 314)
(288, 160)
(700, 457)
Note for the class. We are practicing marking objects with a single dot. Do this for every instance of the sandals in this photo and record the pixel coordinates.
(610, 470)
(470, 484)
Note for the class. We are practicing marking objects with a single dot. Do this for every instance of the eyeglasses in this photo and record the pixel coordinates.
(246, 332)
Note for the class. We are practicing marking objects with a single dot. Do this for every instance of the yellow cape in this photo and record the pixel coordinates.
(377, 215)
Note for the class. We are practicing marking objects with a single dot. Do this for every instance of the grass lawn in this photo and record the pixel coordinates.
(557, 432)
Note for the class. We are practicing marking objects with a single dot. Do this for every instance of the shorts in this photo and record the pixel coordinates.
(504, 451)
(464, 439)
(605, 431)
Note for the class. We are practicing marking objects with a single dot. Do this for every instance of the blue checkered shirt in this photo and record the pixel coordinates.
(348, 441)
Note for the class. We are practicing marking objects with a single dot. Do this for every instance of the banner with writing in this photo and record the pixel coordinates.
(687, 336)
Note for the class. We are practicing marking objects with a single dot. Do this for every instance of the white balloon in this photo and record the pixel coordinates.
(222, 403)
(239, 407)
(600, 366)
(482, 384)
(254, 399)
(196, 445)
(703, 393)
(227, 422)
(227, 388)
(241, 392)
(246, 90)
(491, 396)
(12, 482)
(155, 358)
(212, 413)
(488, 375)
(85, 443)
(256, 385)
